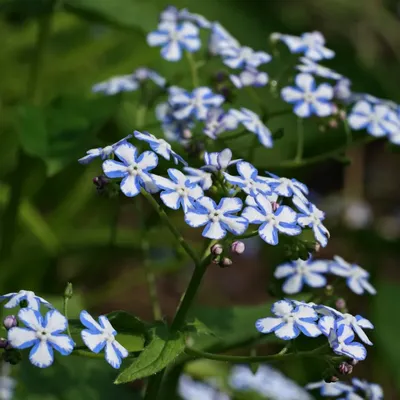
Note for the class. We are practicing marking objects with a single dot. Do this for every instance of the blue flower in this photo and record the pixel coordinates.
(253, 123)
(142, 74)
(218, 161)
(116, 84)
(100, 335)
(220, 39)
(179, 191)
(372, 391)
(310, 67)
(311, 216)
(217, 122)
(134, 169)
(308, 99)
(372, 117)
(160, 146)
(311, 44)
(289, 321)
(242, 57)
(300, 272)
(194, 104)
(282, 220)
(175, 37)
(43, 335)
(357, 277)
(341, 340)
(172, 14)
(249, 77)
(101, 152)
(199, 176)
(286, 187)
(248, 181)
(332, 389)
(31, 298)
(218, 218)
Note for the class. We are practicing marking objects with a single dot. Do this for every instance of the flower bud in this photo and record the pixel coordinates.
(331, 379)
(10, 321)
(274, 37)
(329, 290)
(3, 343)
(221, 76)
(217, 249)
(345, 368)
(225, 262)
(100, 182)
(68, 292)
(333, 123)
(238, 247)
(317, 247)
(342, 115)
(274, 205)
(340, 304)
(187, 134)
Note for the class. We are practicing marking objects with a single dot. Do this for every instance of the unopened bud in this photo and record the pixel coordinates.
(332, 379)
(335, 109)
(333, 123)
(317, 247)
(217, 249)
(225, 262)
(238, 247)
(187, 134)
(274, 205)
(342, 115)
(3, 343)
(221, 76)
(10, 321)
(340, 304)
(274, 37)
(345, 368)
(100, 182)
(329, 290)
(322, 128)
(68, 292)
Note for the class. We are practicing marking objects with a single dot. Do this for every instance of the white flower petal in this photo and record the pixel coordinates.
(41, 355)
(31, 318)
(123, 352)
(284, 270)
(305, 82)
(269, 233)
(130, 186)
(21, 338)
(324, 91)
(112, 357)
(302, 109)
(147, 160)
(195, 219)
(291, 94)
(287, 331)
(114, 169)
(126, 152)
(304, 311)
(314, 280)
(89, 322)
(230, 205)
(322, 109)
(293, 284)
(253, 215)
(309, 328)
(157, 38)
(214, 230)
(54, 321)
(207, 203)
(267, 325)
(171, 199)
(94, 341)
(355, 350)
(282, 308)
(62, 343)
(172, 51)
(326, 324)
(246, 169)
(237, 225)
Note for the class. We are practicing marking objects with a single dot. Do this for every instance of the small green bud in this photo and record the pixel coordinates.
(68, 292)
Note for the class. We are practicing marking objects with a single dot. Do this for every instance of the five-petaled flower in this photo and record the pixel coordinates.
(290, 320)
(218, 161)
(218, 218)
(134, 169)
(300, 272)
(357, 277)
(102, 152)
(308, 98)
(100, 335)
(288, 187)
(282, 220)
(160, 146)
(177, 191)
(175, 37)
(253, 123)
(196, 103)
(242, 57)
(248, 181)
(42, 334)
(217, 122)
(33, 301)
(312, 216)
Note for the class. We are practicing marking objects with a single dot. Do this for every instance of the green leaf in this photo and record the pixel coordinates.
(163, 349)
(140, 14)
(198, 327)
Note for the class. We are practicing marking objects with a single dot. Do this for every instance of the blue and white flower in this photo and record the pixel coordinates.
(249, 77)
(143, 74)
(189, 389)
(308, 98)
(133, 169)
(116, 84)
(220, 39)
(357, 277)
(375, 118)
(42, 334)
(100, 335)
(297, 273)
(174, 38)
(310, 67)
(178, 191)
(101, 152)
(248, 180)
(253, 123)
(286, 187)
(342, 90)
(332, 389)
(218, 218)
(160, 146)
(172, 14)
(290, 320)
(311, 44)
(394, 134)
(311, 216)
(242, 57)
(341, 340)
(372, 391)
(33, 301)
(196, 103)
(217, 122)
(218, 161)
(271, 222)
(199, 176)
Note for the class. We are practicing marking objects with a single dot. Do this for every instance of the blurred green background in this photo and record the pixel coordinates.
(55, 228)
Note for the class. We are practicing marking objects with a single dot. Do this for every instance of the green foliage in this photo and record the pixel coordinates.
(163, 348)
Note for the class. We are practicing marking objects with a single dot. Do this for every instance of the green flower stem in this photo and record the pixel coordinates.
(193, 69)
(300, 141)
(89, 354)
(349, 137)
(164, 217)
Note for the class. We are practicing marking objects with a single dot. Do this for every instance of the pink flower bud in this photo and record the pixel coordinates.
(225, 262)
(10, 321)
(217, 249)
(333, 123)
(238, 247)
(345, 368)
(187, 134)
(340, 304)
(274, 205)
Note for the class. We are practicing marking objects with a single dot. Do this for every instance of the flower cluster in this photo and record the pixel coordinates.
(44, 333)
(293, 317)
(359, 390)
(311, 273)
